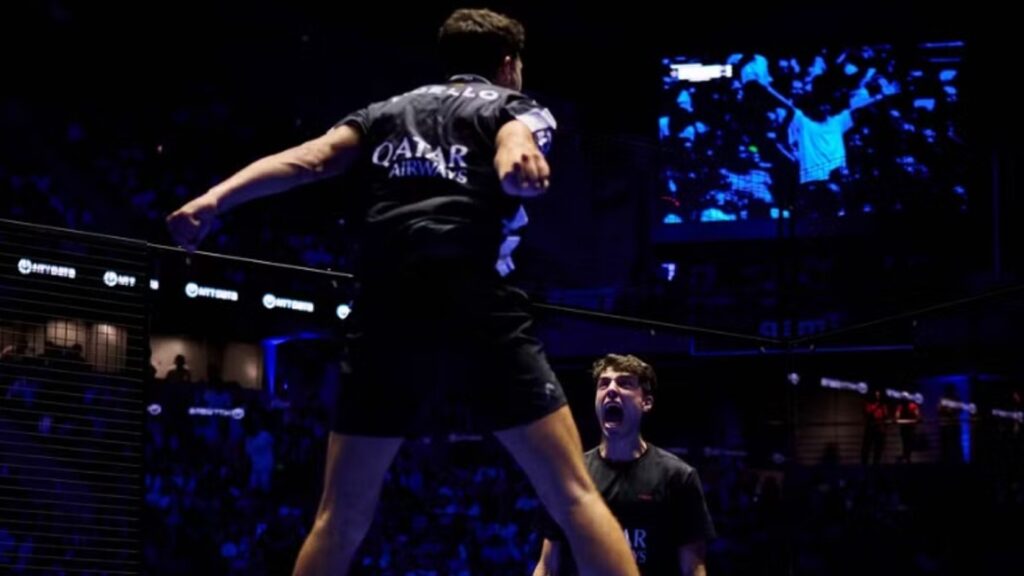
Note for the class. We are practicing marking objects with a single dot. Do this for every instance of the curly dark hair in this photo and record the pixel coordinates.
(476, 41)
(630, 364)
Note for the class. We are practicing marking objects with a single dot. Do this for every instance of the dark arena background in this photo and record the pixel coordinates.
(773, 290)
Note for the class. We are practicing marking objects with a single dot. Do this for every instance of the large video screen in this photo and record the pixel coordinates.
(825, 139)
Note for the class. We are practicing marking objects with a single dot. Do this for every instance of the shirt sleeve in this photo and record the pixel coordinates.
(690, 509)
(360, 120)
(537, 118)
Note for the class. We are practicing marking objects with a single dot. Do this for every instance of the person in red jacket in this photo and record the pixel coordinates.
(908, 416)
(875, 414)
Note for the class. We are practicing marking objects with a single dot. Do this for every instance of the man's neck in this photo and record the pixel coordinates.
(622, 449)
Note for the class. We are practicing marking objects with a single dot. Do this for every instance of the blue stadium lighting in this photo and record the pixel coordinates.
(270, 355)
(960, 385)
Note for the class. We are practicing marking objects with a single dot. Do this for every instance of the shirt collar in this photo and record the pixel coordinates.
(469, 78)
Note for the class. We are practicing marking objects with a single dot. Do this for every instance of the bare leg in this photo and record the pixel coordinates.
(355, 471)
(551, 454)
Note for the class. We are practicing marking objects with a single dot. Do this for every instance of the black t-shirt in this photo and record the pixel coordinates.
(658, 500)
(433, 190)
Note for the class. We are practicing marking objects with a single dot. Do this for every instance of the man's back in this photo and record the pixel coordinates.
(433, 189)
(419, 207)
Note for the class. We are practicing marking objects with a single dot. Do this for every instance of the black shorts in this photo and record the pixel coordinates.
(444, 352)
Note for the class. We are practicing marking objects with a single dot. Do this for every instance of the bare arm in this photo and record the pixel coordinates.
(868, 102)
(887, 89)
(549, 555)
(691, 559)
(328, 155)
(521, 166)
